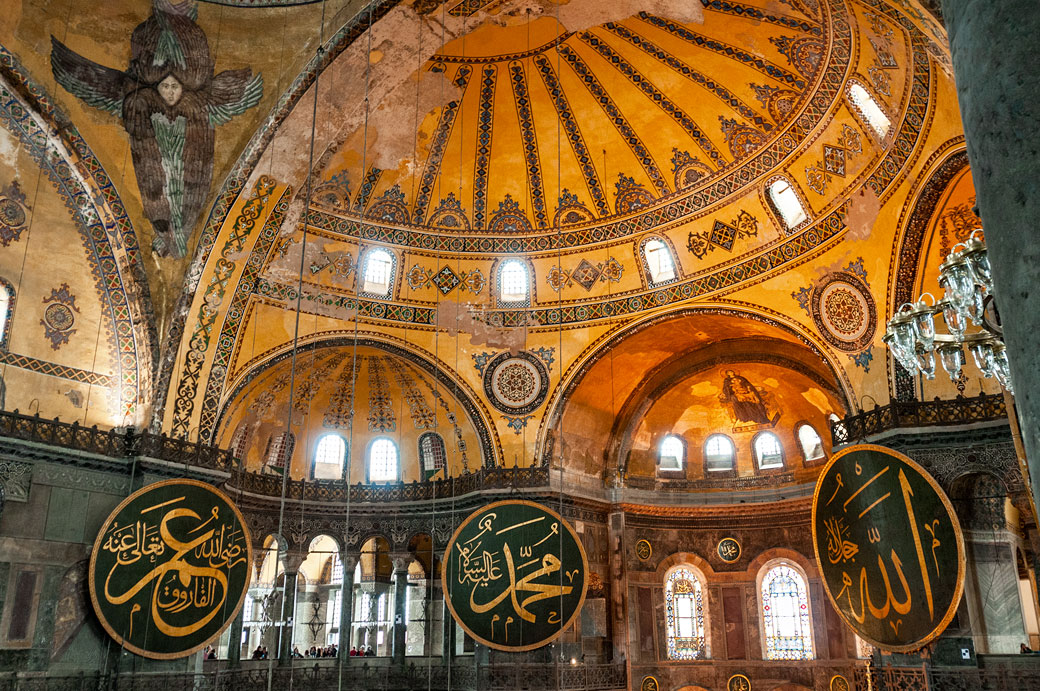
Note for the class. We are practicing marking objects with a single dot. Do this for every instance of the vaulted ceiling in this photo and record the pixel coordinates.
(458, 135)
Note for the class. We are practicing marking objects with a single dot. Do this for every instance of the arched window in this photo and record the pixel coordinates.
(812, 445)
(768, 451)
(513, 281)
(785, 201)
(329, 456)
(382, 461)
(785, 614)
(279, 450)
(659, 262)
(5, 296)
(719, 453)
(672, 453)
(684, 609)
(336, 576)
(379, 272)
(869, 109)
(332, 616)
(6, 307)
(240, 441)
(432, 456)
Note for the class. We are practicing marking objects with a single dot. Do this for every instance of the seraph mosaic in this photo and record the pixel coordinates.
(170, 102)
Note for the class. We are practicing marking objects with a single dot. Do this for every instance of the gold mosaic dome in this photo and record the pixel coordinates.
(515, 193)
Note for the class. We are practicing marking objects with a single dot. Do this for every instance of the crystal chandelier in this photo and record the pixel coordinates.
(970, 315)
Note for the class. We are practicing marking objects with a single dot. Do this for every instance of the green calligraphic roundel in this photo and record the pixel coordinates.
(889, 547)
(728, 549)
(170, 568)
(514, 575)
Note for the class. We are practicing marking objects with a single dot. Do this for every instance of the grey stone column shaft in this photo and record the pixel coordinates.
(997, 68)
(400, 613)
(448, 649)
(289, 612)
(234, 646)
(346, 612)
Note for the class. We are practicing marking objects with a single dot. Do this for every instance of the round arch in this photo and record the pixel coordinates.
(779, 340)
(444, 375)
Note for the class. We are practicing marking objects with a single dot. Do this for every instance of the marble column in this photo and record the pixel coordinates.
(991, 591)
(346, 612)
(448, 649)
(400, 562)
(618, 616)
(288, 613)
(997, 68)
(234, 646)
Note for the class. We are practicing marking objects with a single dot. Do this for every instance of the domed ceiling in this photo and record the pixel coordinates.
(545, 127)
(386, 394)
(456, 136)
(569, 135)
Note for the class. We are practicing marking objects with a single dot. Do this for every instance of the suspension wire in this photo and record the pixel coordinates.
(285, 450)
(559, 356)
(252, 353)
(448, 646)
(198, 438)
(354, 368)
(431, 571)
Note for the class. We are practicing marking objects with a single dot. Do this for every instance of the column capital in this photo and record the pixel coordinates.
(401, 560)
(291, 563)
(349, 561)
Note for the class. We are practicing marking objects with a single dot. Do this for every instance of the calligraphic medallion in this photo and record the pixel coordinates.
(515, 575)
(644, 550)
(889, 547)
(738, 682)
(170, 568)
(728, 549)
(649, 684)
(839, 683)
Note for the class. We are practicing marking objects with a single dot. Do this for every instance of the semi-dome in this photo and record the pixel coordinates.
(349, 403)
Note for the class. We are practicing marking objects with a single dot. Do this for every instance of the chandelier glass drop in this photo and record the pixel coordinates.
(970, 315)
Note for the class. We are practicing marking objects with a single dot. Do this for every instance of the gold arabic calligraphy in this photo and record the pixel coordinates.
(498, 570)
(193, 576)
(878, 505)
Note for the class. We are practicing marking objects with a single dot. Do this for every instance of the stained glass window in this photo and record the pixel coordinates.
(684, 605)
(785, 615)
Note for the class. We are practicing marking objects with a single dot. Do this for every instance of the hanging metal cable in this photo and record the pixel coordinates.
(285, 629)
(353, 362)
